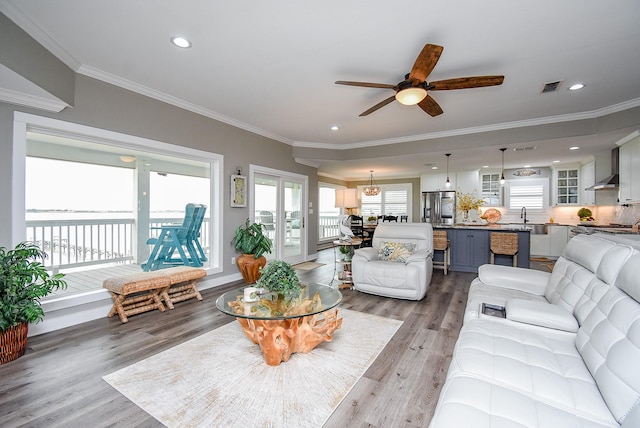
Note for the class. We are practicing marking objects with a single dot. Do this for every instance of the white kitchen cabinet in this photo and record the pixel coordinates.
(552, 244)
(630, 171)
(540, 245)
(558, 238)
(588, 179)
(567, 185)
(431, 182)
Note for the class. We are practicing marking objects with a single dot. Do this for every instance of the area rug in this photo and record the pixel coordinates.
(221, 379)
(307, 265)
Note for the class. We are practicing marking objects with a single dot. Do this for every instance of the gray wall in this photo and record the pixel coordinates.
(105, 106)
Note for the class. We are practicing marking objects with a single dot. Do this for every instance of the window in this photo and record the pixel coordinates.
(531, 193)
(328, 214)
(393, 199)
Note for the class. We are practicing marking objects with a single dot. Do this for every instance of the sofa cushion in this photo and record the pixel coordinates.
(541, 314)
(545, 366)
(609, 341)
(469, 402)
(395, 251)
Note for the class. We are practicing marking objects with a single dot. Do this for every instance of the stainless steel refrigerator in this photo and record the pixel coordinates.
(439, 207)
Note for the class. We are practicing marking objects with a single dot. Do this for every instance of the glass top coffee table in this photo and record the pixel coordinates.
(284, 325)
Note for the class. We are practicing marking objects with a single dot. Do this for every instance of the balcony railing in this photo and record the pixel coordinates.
(328, 227)
(81, 243)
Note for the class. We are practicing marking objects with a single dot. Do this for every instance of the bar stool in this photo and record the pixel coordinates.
(441, 243)
(504, 244)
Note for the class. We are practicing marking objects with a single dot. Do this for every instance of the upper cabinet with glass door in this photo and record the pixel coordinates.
(490, 185)
(567, 185)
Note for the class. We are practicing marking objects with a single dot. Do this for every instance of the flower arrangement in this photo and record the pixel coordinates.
(468, 201)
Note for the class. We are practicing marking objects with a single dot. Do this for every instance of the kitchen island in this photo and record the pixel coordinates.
(470, 245)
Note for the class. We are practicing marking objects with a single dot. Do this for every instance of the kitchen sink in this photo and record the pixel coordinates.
(534, 228)
(538, 229)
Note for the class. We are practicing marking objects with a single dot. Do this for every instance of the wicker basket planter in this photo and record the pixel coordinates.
(13, 342)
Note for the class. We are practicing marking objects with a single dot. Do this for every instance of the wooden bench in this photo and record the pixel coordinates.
(183, 286)
(141, 292)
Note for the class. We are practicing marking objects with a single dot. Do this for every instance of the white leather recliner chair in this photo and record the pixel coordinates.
(399, 263)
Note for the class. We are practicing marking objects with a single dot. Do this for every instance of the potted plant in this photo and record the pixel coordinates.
(585, 215)
(279, 277)
(23, 281)
(250, 240)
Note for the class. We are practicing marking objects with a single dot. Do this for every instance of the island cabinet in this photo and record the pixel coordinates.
(470, 248)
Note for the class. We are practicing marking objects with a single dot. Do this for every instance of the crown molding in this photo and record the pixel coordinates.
(169, 99)
(9, 9)
(479, 129)
(307, 162)
(33, 101)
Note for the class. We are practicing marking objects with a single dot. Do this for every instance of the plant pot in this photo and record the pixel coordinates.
(13, 342)
(250, 267)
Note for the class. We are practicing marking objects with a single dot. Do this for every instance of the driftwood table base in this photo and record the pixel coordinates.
(278, 339)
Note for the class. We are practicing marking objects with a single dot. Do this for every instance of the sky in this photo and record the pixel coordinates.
(61, 185)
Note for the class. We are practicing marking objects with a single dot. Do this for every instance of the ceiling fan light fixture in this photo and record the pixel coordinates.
(411, 96)
(371, 189)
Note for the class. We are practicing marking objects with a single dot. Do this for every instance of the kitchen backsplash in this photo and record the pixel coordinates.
(569, 215)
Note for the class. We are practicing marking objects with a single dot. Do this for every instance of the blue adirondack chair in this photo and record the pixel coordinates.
(182, 239)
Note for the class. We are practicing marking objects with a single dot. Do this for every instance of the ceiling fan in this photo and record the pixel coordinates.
(413, 89)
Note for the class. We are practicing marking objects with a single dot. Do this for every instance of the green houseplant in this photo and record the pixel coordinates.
(280, 277)
(250, 240)
(23, 281)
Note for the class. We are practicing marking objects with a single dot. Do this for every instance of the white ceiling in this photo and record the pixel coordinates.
(270, 67)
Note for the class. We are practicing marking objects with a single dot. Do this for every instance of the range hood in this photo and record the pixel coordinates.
(612, 181)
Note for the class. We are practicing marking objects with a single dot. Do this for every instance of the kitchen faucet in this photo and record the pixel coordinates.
(523, 214)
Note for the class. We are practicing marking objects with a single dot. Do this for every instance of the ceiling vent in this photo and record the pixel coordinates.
(551, 86)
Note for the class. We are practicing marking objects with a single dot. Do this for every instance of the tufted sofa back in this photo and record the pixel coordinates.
(420, 234)
(609, 342)
(582, 263)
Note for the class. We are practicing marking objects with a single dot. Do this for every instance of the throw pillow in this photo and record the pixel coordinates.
(395, 251)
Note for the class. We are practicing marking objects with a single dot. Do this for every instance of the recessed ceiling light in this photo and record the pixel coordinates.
(434, 167)
(334, 128)
(181, 42)
(485, 166)
(574, 148)
(556, 161)
(527, 166)
(576, 86)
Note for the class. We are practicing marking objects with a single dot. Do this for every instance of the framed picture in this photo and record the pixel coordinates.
(238, 191)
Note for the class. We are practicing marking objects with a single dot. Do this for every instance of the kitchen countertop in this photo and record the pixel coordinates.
(494, 226)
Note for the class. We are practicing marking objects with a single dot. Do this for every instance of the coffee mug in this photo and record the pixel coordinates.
(251, 294)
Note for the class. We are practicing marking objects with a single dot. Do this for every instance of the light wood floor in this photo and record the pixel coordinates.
(58, 382)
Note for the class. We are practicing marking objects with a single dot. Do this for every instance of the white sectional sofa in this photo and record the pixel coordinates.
(566, 355)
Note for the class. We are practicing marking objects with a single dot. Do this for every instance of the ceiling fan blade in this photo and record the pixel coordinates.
(367, 85)
(430, 106)
(425, 62)
(379, 105)
(466, 82)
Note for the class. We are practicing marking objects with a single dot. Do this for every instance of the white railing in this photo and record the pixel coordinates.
(328, 227)
(81, 243)
(76, 243)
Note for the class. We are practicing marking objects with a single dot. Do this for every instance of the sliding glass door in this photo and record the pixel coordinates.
(279, 200)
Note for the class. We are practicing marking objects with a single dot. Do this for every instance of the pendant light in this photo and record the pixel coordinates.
(502, 180)
(371, 189)
(447, 184)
